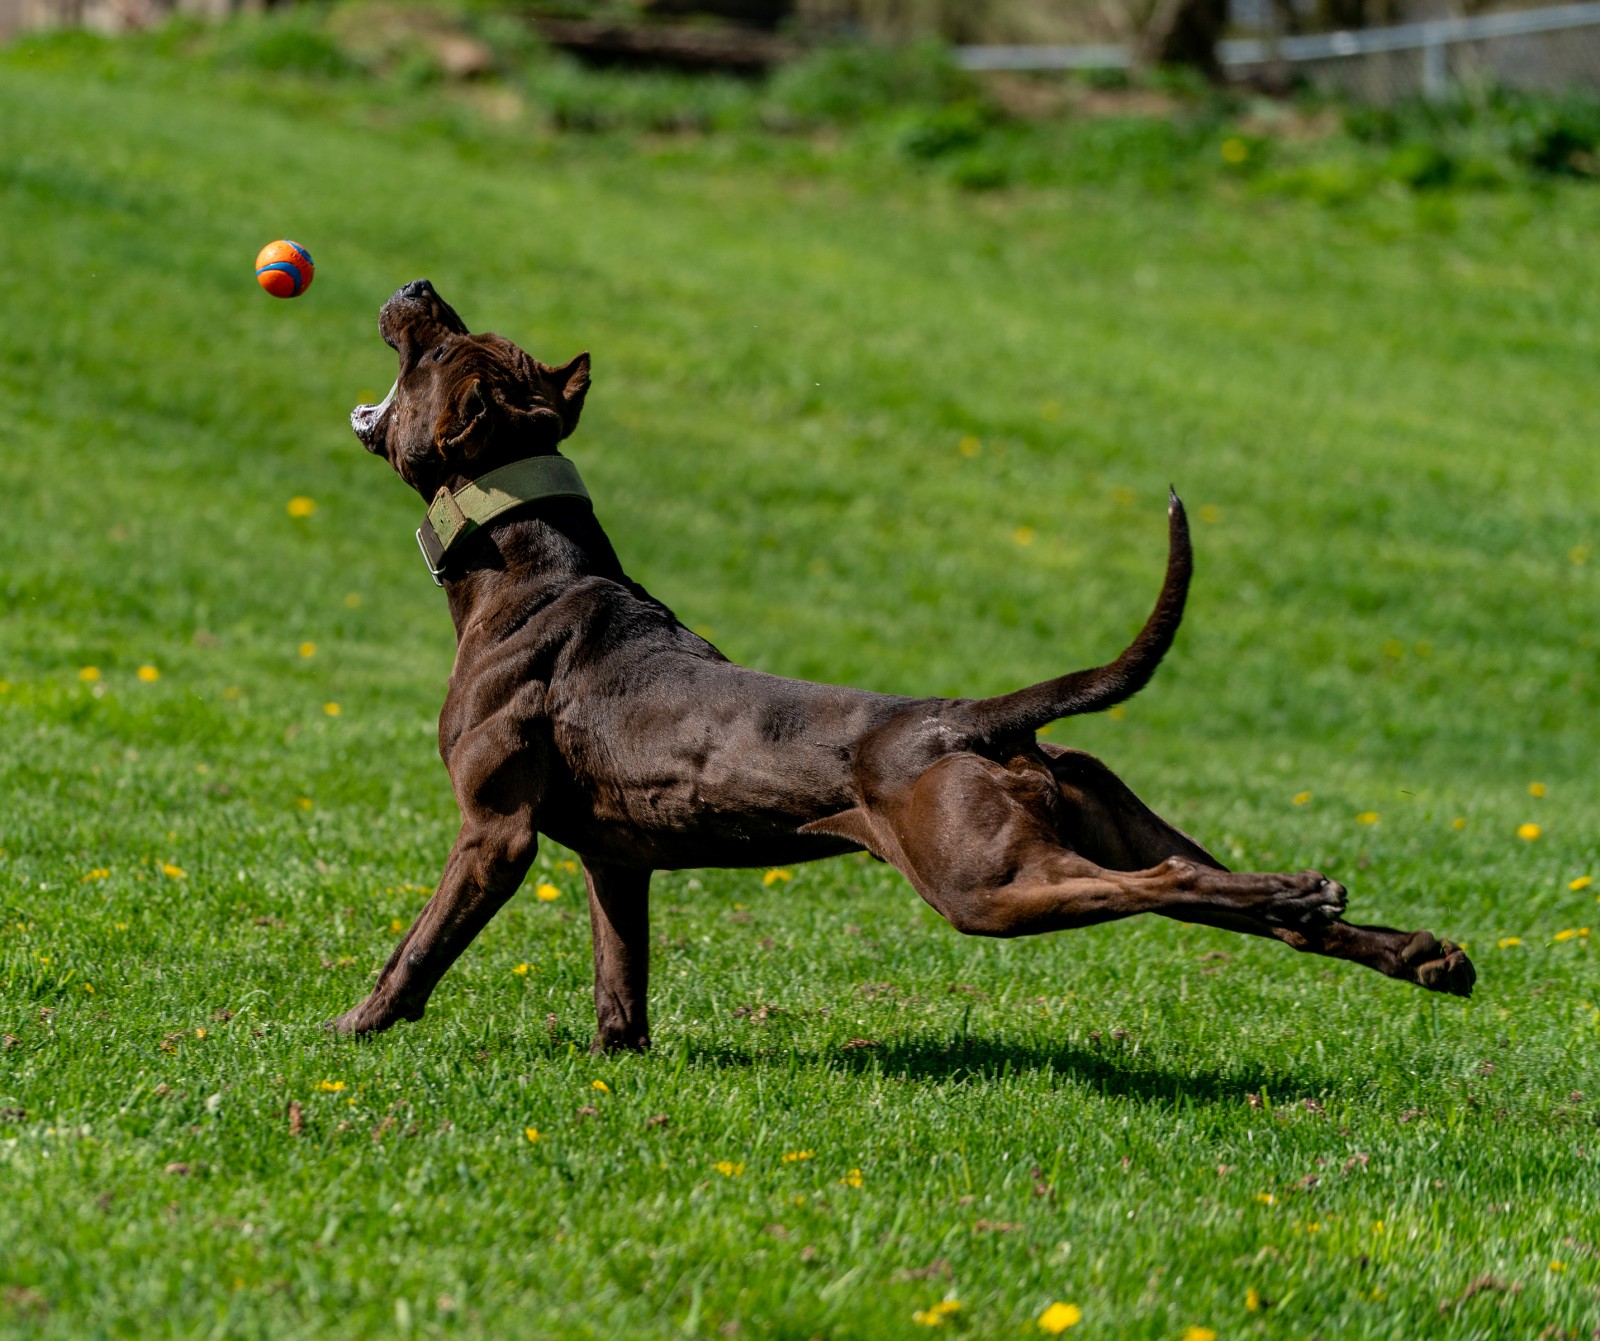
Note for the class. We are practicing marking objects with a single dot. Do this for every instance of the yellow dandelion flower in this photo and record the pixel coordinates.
(569, 866)
(1377, 1226)
(1058, 1317)
(301, 506)
(1528, 832)
(1506, 942)
(729, 1168)
(330, 1086)
(532, 1133)
(1536, 789)
(1118, 713)
(969, 446)
(45, 960)
(545, 893)
(600, 1085)
(1023, 535)
(1578, 554)
(776, 874)
(1235, 150)
(149, 674)
(1367, 817)
(120, 926)
(1252, 1300)
(89, 674)
(1301, 798)
(1458, 824)
(1582, 882)
(89, 988)
(521, 970)
(1210, 512)
(852, 1179)
(200, 1033)
(352, 600)
(935, 1316)
(307, 649)
(99, 873)
(1558, 1266)
(173, 872)
(397, 924)
(1266, 1198)
(1199, 1334)
(332, 709)
(1566, 935)
(795, 1156)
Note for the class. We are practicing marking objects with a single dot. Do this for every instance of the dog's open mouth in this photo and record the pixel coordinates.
(364, 418)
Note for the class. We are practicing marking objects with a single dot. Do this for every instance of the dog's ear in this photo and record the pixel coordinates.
(463, 426)
(572, 385)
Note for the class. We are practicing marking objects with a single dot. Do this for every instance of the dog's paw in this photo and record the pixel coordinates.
(604, 1045)
(1439, 966)
(369, 1017)
(347, 1025)
(1309, 899)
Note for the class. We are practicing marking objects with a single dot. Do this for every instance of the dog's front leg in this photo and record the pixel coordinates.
(486, 866)
(619, 912)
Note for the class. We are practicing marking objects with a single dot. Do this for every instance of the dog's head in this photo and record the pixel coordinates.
(463, 404)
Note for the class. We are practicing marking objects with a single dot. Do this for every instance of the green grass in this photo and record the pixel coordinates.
(1385, 432)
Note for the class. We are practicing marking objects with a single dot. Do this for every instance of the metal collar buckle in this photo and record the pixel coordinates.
(432, 553)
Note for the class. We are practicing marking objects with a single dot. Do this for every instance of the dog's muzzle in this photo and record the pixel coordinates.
(364, 419)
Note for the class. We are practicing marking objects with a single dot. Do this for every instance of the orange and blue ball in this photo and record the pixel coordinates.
(284, 269)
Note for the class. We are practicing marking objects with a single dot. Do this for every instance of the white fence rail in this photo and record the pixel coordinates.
(1518, 47)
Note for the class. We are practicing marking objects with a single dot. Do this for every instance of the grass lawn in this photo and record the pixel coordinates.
(859, 429)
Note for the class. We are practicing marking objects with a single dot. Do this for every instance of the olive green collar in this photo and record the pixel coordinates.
(452, 517)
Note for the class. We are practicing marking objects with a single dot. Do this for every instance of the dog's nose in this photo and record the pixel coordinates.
(417, 288)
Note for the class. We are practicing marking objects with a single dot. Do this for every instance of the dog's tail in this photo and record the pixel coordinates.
(1105, 686)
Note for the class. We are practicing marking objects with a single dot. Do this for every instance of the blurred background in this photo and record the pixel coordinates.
(1378, 49)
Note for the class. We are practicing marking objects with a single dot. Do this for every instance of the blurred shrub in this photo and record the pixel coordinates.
(1490, 134)
(942, 131)
(292, 43)
(575, 97)
(839, 85)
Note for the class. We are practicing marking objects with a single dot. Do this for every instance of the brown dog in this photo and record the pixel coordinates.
(580, 708)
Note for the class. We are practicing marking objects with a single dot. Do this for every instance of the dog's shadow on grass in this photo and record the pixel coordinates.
(1113, 1070)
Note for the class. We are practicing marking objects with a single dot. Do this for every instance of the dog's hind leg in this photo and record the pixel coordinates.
(1099, 817)
(1102, 819)
(619, 913)
(486, 865)
(984, 844)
